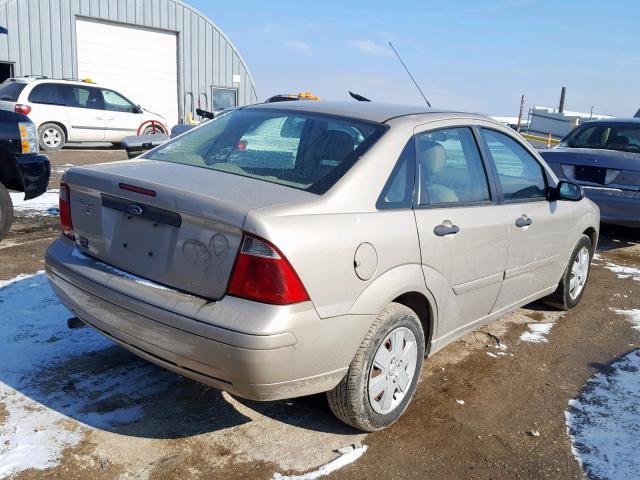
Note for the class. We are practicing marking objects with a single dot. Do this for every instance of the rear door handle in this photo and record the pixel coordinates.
(442, 230)
(523, 222)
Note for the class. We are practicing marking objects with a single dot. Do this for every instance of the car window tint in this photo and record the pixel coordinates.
(85, 97)
(451, 169)
(10, 90)
(398, 192)
(521, 176)
(115, 102)
(297, 149)
(609, 136)
(48, 93)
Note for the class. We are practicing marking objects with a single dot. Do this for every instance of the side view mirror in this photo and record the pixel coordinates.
(137, 109)
(568, 191)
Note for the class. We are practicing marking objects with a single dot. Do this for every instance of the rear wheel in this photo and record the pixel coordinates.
(382, 377)
(575, 276)
(6, 212)
(51, 137)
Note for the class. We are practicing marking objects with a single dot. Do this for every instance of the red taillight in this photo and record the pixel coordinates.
(65, 211)
(23, 109)
(263, 274)
(136, 189)
(242, 145)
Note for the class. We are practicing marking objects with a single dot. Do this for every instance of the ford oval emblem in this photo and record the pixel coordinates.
(135, 210)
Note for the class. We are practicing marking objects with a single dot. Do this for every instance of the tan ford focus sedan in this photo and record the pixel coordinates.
(288, 249)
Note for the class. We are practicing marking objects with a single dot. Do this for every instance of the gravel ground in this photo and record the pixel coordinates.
(491, 405)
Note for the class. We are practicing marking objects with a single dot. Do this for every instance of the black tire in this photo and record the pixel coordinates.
(6, 212)
(349, 400)
(149, 130)
(562, 298)
(51, 137)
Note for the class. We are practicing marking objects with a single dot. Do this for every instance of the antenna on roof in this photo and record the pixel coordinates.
(409, 73)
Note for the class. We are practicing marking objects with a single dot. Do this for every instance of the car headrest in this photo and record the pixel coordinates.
(338, 145)
(618, 140)
(433, 157)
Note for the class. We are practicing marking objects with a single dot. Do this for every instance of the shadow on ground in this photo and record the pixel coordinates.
(80, 375)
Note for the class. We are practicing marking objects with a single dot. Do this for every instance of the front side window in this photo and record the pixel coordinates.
(116, 103)
(451, 169)
(85, 97)
(301, 150)
(521, 176)
(48, 93)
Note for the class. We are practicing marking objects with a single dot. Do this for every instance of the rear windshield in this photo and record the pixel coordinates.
(305, 151)
(609, 136)
(10, 90)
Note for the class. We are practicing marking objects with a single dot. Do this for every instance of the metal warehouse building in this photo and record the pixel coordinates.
(162, 54)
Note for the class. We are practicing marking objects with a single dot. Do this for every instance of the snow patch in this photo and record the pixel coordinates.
(632, 315)
(604, 421)
(537, 332)
(45, 204)
(348, 455)
(50, 401)
(624, 271)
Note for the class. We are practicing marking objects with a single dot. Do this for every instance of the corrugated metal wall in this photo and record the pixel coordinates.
(41, 41)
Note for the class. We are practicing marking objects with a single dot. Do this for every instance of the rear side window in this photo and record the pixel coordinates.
(302, 150)
(10, 90)
(49, 94)
(451, 169)
(84, 97)
(521, 176)
(398, 192)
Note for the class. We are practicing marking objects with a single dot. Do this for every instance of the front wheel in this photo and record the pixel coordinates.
(6, 212)
(51, 137)
(382, 377)
(575, 276)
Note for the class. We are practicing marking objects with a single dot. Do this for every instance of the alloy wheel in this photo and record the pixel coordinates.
(579, 272)
(392, 371)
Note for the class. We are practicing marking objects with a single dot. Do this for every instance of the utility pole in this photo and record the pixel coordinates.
(520, 113)
(563, 92)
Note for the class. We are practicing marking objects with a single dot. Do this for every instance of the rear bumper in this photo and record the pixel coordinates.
(273, 352)
(619, 207)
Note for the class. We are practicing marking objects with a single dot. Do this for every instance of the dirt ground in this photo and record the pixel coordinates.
(488, 406)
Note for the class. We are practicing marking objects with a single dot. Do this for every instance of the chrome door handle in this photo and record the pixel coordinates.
(442, 230)
(523, 222)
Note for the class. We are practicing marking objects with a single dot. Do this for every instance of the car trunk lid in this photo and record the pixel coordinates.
(175, 224)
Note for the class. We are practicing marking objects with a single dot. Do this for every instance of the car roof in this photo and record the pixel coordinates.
(34, 79)
(613, 120)
(371, 111)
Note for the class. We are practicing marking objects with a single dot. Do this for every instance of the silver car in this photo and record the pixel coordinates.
(289, 249)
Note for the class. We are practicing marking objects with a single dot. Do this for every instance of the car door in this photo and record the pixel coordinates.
(85, 110)
(120, 116)
(462, 229)
(537, 226)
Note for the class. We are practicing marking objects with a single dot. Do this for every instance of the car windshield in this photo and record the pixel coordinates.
(624, 137)
(302, 150)
(10, 90)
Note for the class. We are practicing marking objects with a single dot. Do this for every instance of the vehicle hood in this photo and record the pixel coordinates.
(593, 157)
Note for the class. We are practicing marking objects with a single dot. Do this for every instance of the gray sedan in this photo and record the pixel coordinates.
(303, 247)
(603, 156)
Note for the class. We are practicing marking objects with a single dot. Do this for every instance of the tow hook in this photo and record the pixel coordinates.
(74, 323)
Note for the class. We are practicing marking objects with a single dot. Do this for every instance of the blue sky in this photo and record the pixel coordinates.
(471, 55)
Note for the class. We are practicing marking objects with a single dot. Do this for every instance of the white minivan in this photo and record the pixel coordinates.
(77, 111)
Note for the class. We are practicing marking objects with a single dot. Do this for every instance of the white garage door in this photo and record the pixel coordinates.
(139, 63)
